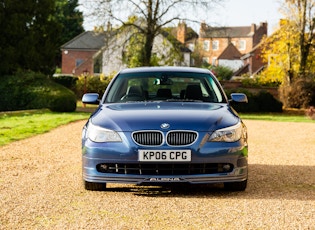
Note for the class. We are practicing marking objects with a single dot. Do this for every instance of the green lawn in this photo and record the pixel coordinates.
(19, 125)
(277, 117)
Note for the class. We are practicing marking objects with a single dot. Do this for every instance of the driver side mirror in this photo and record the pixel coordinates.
(91, 98)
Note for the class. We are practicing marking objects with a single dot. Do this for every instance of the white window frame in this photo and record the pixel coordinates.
(242, 45)
(214, 60)
(191, 46)
(206, 45)
(205, 60)
(215, 45)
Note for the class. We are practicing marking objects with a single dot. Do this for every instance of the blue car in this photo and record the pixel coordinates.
(164, 125)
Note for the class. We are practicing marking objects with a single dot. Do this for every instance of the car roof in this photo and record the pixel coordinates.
(165, 69)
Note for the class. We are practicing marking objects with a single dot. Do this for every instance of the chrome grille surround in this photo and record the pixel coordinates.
(181, 137)
(157, 138)
(148, 137)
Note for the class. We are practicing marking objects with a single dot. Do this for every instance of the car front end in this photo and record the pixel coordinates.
(165, 141)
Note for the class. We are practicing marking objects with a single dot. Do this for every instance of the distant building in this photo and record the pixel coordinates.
(77, 54)
(101, 51)
(218, 43)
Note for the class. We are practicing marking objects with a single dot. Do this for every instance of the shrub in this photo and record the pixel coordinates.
(300, 94)
(260, 102)
(68, 81)
(222, 72)
(29, 90)
(94, 84)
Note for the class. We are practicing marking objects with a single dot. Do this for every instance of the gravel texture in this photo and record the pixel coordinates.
(41, 188)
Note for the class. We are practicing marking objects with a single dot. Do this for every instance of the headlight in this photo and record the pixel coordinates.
(98, 134)
(229, 134)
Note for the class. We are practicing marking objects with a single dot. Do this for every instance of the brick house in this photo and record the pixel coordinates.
(101, 52)
(165, 47)
(78, 54)
(214, 40)
(230, 57)
(253, 63)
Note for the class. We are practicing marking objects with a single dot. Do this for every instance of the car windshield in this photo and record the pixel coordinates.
(163, 86)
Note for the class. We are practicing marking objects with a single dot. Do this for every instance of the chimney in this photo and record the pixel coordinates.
(264, 25)
(181, 32)
(109, 26)
(253, 28)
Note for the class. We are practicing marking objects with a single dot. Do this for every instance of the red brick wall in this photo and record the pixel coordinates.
(69, 59)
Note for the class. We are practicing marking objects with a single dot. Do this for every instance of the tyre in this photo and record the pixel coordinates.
(94, 186)
(235, 186)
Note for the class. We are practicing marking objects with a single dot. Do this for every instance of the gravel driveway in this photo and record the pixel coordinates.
(41, 188)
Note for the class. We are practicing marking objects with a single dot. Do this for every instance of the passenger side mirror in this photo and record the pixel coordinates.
(239, 97)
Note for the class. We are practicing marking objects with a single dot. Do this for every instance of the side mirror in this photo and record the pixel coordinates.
(239, 97)
(91, 98)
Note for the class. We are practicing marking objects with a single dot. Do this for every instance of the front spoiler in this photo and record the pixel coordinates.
(237, 175)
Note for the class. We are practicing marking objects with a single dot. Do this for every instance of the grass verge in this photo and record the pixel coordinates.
(22, 124)
(282, 117)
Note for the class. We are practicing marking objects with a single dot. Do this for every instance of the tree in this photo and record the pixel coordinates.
(155, 14)
(291, 47)
(29, 35)
(70, 18)
(290, 53)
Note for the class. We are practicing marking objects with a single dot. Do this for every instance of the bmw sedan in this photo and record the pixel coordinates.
(164, 125)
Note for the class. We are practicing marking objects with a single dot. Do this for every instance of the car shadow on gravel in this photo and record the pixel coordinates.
(265, 182)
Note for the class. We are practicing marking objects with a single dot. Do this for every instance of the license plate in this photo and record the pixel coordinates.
(164, 155)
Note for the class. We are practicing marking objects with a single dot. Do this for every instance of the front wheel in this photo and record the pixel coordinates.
(94, 186)
(235, 186)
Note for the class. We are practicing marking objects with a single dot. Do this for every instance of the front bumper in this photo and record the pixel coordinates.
(125, 167)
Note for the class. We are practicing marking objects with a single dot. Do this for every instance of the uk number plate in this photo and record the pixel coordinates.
(164, 155)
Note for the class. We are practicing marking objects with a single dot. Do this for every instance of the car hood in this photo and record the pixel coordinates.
(151, 115)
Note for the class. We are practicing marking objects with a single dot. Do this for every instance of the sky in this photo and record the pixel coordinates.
(246, 12)
(238, 13)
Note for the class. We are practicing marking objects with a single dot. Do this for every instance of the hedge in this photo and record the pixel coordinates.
(29, 90)
(260, 102)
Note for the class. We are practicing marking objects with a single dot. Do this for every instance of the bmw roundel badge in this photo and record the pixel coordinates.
(165, 126)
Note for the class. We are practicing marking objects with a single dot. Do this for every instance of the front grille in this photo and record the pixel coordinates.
(149, 138)
(165, 169)
(156, 138)
(179, 138)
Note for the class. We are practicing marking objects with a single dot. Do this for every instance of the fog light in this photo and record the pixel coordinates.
(226, 167)
(102, 168)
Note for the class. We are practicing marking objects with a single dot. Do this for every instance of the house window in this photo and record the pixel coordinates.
(205, 60)
(215, 45)
(242, 45)
(214, 61)
(206, 45)
(78, 62)
(191, 46)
